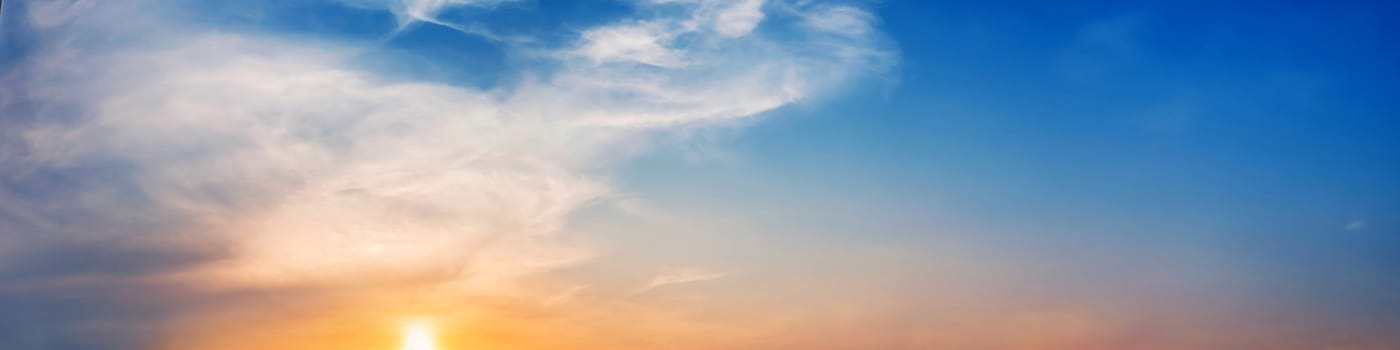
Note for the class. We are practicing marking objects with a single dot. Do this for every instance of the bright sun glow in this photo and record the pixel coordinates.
(418, 336)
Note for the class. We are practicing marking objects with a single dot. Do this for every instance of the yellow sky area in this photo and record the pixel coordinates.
(375, 320)
(814, 306)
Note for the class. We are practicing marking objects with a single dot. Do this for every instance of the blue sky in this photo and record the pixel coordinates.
(1250, 145)
(737, 174)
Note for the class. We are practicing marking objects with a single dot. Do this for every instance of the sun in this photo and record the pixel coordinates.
(419, 336)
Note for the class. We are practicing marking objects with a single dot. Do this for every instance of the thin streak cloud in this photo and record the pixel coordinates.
(679, 276)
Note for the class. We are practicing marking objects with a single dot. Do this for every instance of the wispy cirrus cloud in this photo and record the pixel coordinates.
(679, 276)
(410, 12)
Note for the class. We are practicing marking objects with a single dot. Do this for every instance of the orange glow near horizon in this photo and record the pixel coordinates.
(419, 336)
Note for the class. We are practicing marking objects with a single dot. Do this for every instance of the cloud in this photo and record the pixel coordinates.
(409, 12)
(844, 20)
(268, 162)
(740, 18)
(1354, 225)
(678, 276)
(653, 41)
(641, 43)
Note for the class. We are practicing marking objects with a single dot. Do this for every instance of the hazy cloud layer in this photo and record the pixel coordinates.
(199, 158)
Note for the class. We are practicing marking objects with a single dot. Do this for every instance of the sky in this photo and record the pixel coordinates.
(699, 174)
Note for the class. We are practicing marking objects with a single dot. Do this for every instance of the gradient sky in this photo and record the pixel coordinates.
(699, 174)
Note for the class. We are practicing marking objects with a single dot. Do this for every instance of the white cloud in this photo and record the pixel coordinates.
(645, 43)
(409, 12)
(739, 18)
(843, 20)
(312, 170)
